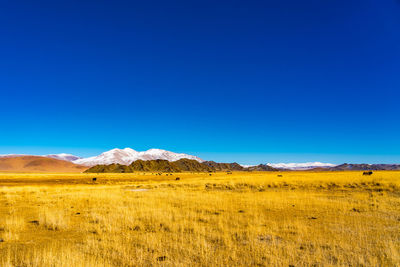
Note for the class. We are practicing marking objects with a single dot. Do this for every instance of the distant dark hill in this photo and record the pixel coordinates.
(157, 165)
(189, 165)
(365, 167)
(111, 168)
(224, 166)
(153, 165)
(182, 165)
(262, 167)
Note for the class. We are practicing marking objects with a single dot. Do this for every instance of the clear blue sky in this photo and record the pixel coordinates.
(246, 81)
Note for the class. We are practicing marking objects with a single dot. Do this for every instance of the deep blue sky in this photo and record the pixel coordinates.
(246, 81)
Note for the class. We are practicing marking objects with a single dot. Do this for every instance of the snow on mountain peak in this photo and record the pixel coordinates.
(155, 151)
(62, 156)
(129, 150)
(301, 166)
(127, 155)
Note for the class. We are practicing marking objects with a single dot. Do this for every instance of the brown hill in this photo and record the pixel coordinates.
(37, 164)
(182, 165)
(157, 165)
(262, 167)
(191, 165)
(365, 167)
(153, 165)
(224, 166)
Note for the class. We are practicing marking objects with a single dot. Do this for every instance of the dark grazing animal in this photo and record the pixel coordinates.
(94, 179)
(177, 178)
(368, 173)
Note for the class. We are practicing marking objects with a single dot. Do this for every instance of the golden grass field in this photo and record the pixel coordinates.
(239, 219)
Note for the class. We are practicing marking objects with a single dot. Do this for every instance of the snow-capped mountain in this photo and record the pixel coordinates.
(63, 156)
(128, 155)
(122, 156)
(247, 166)
(301, 166)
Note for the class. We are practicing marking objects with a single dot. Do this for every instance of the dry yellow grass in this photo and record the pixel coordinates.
(241, 219)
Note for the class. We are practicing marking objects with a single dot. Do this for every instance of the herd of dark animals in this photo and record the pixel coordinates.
(279, 175)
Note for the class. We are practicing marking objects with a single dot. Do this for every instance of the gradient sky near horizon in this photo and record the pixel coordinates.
(246, 81)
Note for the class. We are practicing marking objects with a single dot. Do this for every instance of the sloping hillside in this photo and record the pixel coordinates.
(365, 167)
(182, 165)
(262, 167)
(154, 165)
(158, 165)
(37, 164)
(224, 166)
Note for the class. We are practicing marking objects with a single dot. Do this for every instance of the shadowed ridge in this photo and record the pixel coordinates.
(182, 165)
(154, 165)
(365, 167)
(225, 166)
(191, 165)
(262, 167)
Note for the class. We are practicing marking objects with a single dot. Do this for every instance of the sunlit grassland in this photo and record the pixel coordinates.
(245, 219)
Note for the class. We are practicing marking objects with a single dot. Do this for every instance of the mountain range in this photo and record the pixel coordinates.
(181, 165)
(365, 167)
(117, 156)
(126, 157)
(301, 166)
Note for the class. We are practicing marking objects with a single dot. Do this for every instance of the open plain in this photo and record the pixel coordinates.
(200, 219)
